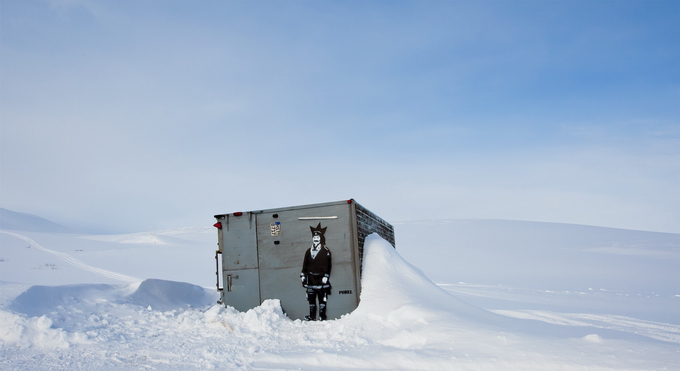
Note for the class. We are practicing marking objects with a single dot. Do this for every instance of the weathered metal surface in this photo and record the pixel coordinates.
(265, 249)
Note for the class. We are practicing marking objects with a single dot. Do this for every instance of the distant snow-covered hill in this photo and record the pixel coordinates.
(505, 264)
(16, 221)
(548, 255)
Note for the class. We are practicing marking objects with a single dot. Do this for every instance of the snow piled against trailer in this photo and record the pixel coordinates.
(404, 322)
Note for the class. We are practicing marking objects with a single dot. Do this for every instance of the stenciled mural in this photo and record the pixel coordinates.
(316, 273)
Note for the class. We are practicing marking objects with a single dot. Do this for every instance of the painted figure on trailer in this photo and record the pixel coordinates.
(316, 274)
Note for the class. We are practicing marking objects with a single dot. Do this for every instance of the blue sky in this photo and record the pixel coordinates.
(121, 116)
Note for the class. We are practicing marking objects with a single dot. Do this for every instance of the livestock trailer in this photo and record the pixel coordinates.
(261, 255)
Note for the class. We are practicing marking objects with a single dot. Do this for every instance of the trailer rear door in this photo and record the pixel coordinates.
(240, 262)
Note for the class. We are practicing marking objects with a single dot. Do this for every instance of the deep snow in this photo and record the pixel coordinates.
(145, 301)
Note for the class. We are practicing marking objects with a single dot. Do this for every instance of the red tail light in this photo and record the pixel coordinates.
(218, 225)
(238, 213)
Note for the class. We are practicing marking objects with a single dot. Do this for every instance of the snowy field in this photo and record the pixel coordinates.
(508, 296)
